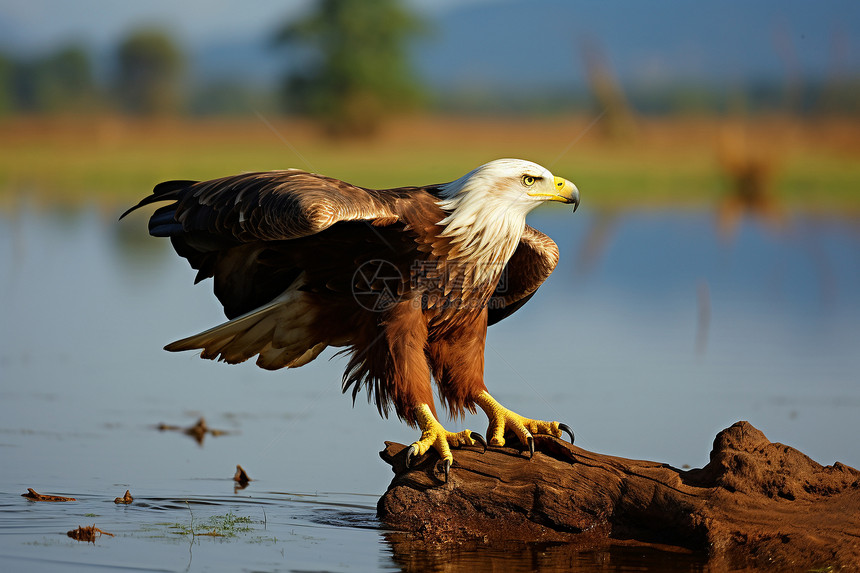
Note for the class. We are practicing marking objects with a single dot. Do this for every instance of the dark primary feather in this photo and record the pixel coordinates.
(165, 191)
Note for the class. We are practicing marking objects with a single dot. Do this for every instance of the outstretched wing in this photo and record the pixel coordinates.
(283, 248)
(244, 230)
(531, 264)
(268, 206)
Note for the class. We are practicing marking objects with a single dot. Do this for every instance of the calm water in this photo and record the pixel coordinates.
(653, 334)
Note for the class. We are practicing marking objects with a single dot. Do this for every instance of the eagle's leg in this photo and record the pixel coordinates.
(409, 388)
(502, 419)
(434, 435)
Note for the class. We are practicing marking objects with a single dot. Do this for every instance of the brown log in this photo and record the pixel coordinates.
(36, 496)
(756, 504)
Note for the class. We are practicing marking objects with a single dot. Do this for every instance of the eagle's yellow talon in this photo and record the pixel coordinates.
(434, 435)
(502, 419)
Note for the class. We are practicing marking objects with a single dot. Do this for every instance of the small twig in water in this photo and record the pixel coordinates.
(192, 519)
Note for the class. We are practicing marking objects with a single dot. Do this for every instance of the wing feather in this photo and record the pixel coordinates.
(531, 264)
(267, 206)
(255, 232)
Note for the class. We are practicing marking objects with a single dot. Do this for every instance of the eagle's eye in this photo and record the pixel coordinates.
(528, 180)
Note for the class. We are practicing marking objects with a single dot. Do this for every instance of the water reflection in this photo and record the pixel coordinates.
(750, 167)
(135, 251)
(515, 558)
(197, 432)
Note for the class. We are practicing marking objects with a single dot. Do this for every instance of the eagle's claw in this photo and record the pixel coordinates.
(446, 468)
(566, 428)
(480, 439)
(503, 420)
(434, 436)
(410, 453)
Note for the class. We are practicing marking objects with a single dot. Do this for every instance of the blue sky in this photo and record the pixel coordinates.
(41, 24)
(490, 42)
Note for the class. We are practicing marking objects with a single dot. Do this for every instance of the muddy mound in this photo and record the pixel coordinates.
(755, 504)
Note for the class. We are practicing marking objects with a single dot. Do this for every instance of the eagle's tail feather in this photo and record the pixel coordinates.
(272, 331)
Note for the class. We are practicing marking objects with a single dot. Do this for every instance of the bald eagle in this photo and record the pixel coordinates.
(406, 280)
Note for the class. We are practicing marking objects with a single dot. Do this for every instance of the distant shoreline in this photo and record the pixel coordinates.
(809, 165)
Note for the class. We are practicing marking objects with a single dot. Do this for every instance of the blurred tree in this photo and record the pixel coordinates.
(357, 71)
(6, 102)
(67, 81)
(149, 69)
(71, 78)
(59, 82)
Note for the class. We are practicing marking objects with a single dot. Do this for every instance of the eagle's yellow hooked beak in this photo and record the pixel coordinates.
(565, 192)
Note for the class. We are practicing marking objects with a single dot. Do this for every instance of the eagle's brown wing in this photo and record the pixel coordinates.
(247, 230)
(270, 205)
(284, 248)
(531, 264)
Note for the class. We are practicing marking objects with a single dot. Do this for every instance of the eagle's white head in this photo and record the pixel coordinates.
(487, 207)
(508, 184)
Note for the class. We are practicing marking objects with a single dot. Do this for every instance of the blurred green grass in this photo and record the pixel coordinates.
(669, 163)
